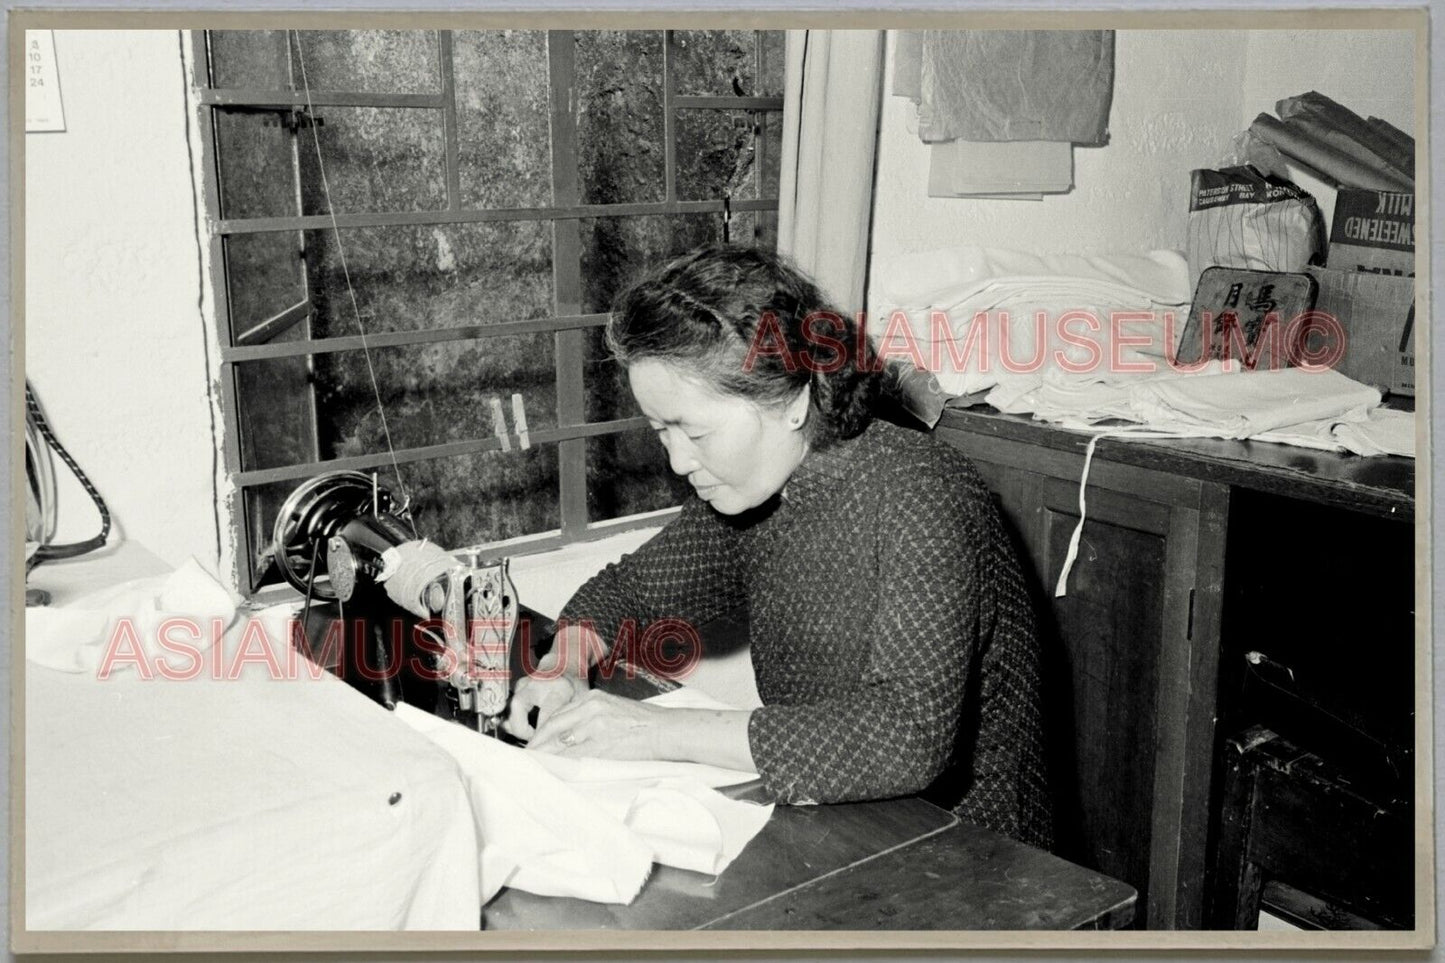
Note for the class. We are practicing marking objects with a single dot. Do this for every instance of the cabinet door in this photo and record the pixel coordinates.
(1131, 657)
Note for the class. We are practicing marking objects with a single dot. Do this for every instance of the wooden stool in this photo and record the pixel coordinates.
(1299, 835)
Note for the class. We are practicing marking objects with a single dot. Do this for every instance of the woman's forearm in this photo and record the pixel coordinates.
(716, 737)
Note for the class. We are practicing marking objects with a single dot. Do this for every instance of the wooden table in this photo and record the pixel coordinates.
(901, 864)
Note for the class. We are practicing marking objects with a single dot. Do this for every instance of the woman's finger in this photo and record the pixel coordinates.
(562, 729)
(524, 700)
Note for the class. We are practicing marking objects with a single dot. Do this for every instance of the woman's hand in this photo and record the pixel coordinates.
(602, 725)
(548, 691)
(559, 679)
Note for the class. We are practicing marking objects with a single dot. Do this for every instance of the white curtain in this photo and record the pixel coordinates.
(833, 94)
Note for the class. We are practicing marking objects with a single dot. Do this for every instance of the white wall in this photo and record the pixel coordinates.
(1180, 97)
(1177, 102)
(115, 334)
(1369, 71)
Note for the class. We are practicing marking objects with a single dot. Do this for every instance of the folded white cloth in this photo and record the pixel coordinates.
(1079, 316)
(1251, 404)
(945, 275)
(589, 828)
(1386, 432)
(1309, 409)
(115, 628)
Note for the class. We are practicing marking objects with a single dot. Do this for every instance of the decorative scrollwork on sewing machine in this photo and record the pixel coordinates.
(456, 661)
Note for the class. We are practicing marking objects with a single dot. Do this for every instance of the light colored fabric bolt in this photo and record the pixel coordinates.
(76, 637)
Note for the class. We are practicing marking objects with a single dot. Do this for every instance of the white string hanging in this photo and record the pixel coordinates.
(1061, 587)
(350, 290)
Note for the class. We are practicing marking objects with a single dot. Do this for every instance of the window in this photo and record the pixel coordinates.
(476, 199)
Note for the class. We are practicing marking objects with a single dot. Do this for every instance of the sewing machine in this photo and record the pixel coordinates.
(331, 541)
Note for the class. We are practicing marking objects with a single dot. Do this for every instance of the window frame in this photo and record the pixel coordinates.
(567, 324)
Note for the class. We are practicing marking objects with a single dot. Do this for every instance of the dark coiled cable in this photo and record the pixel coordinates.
(48, 552)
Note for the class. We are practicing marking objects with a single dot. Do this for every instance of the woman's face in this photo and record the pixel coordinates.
(736, 454)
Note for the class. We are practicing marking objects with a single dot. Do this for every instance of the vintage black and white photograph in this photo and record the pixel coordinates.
(531, 481)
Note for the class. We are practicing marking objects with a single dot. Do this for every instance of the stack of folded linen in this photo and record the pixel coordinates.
(1081, 340)
(977, 317)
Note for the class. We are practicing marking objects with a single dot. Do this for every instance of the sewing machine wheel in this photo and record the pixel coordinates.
(313, 513)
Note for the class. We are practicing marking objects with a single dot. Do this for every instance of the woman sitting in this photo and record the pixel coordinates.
(891, 635)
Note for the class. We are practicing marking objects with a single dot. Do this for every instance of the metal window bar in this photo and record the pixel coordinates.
(396, 339)
(562, 212)
(569, 324)
(727, 103)
(570, 357)
(287, 99)
(669, 122)
(449, 119)
(451, 449)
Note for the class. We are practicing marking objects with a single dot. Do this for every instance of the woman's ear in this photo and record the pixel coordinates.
(797, 409)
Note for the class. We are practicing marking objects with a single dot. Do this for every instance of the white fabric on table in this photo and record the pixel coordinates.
(591, 828)
(75, 637)
(1252, 404)
(265, 801)
(1385, 432)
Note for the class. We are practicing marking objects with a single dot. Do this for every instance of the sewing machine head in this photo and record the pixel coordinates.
(331, 541)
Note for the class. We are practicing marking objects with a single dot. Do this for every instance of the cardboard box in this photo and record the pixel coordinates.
(1376, 314)
(1373, 231)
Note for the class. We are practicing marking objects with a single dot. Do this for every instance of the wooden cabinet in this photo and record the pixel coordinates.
(1131, 657)
(1132, 650)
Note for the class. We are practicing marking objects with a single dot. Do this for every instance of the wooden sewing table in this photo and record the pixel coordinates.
(897, 864)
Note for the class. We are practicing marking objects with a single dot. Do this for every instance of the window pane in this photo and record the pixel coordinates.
(376, 61)
(369, 61)
(431, 394)
(774, 64)
(257, 169)
(249, 58)
(755, 229)
(503, 140)
(718, 62)
(375, 159)
(615, 250)
(275, 413)
(260, 504)
(430, 276)
(487, 497)
(619, 116)
(263, 278)
(627, 474)
(715, 154)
